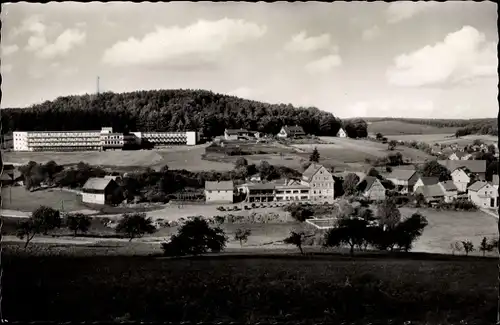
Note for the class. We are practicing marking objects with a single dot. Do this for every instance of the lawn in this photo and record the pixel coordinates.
(402, 128)
(250, 289)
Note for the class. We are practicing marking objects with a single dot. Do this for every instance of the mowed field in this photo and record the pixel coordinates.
(445, 138)
(398, 128)
(18, 198)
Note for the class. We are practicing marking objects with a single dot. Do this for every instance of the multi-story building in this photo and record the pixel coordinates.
(292, 190)
(96, 140)
(483, 194)
(321, 183)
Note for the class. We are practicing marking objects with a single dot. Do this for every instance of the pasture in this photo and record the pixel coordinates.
(445, 138)
(18, 198)
(403, 128)
(253, 288)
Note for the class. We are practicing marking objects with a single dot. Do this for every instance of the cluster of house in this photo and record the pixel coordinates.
(286, 132)
(455, 152)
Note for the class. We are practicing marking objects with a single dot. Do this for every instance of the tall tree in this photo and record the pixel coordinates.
(314, 157)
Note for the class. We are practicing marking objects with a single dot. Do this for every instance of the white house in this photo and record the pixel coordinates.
(483, 194)
(476, 167)
(219, 192)
(461, 179)
(341, 133)
(425, 181)
(291, 132)
(235, 134)
(403, 179)
(372, 189)
(98, 190)
(450, 191)
(460, 155)
(320, 182)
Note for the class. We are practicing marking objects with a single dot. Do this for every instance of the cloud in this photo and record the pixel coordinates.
(201, 40)
(461, 57)
(394, 107)
(6, 68)
(9, 49)
(61, 46)
(403, 10)
(324, 64)
(301, 43)
(32, 24)
(371, 33)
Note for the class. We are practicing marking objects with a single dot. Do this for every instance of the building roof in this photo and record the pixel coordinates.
(308, 174)
(449, 186)
(361, 175)
(401, 174)
(430, 190)
(475, 166)
(260, 186)
(461, 154)
(236, 131)
(97, 183)
(294, 130)
(477, 186)
(429, 180)
(366, 183)
(495, 180)
(219, 185)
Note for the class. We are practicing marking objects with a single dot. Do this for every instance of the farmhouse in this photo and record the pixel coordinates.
(341, 133)
(372, 189)
(403, 179)
(432, 193)
(291, 132)
(219, 192)
(476, 167)
(425, 181)
(460, 155)
(98, 190)
(450, 191)
(235, 134)
(320, 182)
(483, 194)
(292, 190)
(461, 178)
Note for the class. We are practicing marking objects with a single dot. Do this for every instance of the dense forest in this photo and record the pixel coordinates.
(470, 126)
(166, 110)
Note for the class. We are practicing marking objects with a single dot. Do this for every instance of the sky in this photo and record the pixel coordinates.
(353, 59)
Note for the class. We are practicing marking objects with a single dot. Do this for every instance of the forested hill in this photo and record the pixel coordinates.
(166, 110)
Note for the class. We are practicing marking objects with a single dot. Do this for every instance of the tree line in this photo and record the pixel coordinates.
(166, 110)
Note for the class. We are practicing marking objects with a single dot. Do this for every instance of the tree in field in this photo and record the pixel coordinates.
(435, 169)
(135, 225)
(468, 247)
(195, 237)
(409, 230)
(314, 157)
(42, 220)
(350, 184)
(78, 222)
(485, 246)
(242, 235)
(164, 169)
(392, 145)
(456, 247)
(388, 214)
(379, 136)
(297, 239)
(241, 162)
(349, 231)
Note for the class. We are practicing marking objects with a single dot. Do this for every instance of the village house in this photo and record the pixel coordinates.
(372, 189)
(257, 192)
(425, 181)
(292, 190)
(483, 194)
(320, 182)
(403, 179)
(291, 132)
(219, 192)
(235, 134)
(254, 178)
(450, 191)
(475, 167)
(341, 133)
(11, 176)
(432, 193)
(461, 178)
(98, 190)
(460, 155)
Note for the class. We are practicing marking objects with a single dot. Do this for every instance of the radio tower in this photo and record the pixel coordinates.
(97, 85)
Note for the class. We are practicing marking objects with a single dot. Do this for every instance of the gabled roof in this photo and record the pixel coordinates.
(260, 186)
(449, 186)
(97, 183)
(219, 186)
(477, 186)
(430, 190)
(294, 130)
(366, 183)
(236, 131)
(475, 166)
(401, 174)
(308, 174)
(429, 180)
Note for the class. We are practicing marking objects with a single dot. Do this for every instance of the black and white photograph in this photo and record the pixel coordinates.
(250, 162)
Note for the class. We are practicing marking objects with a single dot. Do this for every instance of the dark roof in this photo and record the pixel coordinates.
(219, 185)
(449, 186)
(97, 183)
(475, 166)
(236, 131)
(430, 190)
(366, 183)
(477, 186)
(429, 180)
(401, 174)
(294, 130)
(311, 171)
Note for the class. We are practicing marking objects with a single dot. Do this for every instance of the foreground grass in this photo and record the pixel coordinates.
(261, 288)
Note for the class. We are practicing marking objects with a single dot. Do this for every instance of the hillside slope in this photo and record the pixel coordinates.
(166, 110)
(393, 127)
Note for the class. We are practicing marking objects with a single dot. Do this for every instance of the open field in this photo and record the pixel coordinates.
(18, 198)
(444, 138)
(262, 288)
(399, 128)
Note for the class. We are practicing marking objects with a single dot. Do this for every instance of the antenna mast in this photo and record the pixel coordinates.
(97, 85)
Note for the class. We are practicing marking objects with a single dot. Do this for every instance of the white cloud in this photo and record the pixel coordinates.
(301, 43)
(461, 57)
(324, 64)
(9, 49)
(243, 92)
(403, 10)
(32, 24)
(371, 33)
(6, 68)
(64, 43)
(201, 40)
(394, 107)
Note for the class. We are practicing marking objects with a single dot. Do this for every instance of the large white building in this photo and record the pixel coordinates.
(96, 140)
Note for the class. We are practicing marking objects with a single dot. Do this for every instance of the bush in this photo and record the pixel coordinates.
(299, 212)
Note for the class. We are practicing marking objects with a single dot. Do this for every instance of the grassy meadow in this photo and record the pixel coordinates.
(403, 128)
